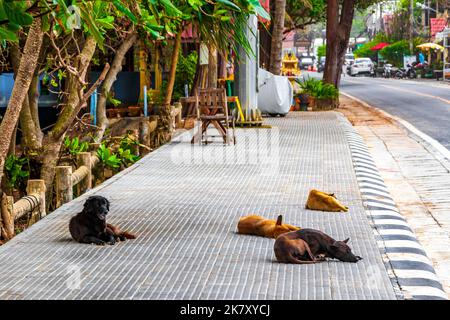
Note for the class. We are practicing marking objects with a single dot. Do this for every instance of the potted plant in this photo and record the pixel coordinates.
(320, 96)
(122, 111)
(112, 113)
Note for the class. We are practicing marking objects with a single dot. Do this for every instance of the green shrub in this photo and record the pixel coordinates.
(364, 50)
(127, 150)
(16, 174)
(74, 147)
(185, 74)
(322, 51)
(317, 89)
(107, 158)
(394, 53)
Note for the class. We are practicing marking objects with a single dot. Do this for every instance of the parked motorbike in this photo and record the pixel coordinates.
(400, 73)
(410, 72)
(387, 69)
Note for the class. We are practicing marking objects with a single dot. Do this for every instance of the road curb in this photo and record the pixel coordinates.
(412, 269)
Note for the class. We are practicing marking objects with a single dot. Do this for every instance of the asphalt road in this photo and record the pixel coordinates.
(423, 103)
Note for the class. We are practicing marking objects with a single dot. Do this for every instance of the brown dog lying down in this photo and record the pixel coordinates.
(310, 246)
(318, 200)
(259, 226)
(288, 249)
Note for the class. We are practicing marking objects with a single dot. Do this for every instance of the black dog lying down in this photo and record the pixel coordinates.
(309, 246)
(89, 226)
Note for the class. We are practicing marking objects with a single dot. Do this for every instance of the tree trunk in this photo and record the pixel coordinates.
(30, 134)
(116, 67)
(21, 85)
(338, 35)
(212, 67)
(50, 154)
(33, 100)
(277, 37)
(173, 69)
(52, 142)
(8, 220)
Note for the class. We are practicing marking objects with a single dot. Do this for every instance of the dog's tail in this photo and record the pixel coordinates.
(127, 235)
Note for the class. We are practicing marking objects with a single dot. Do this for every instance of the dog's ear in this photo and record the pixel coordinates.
(107, 203)
(279, 220)
(87, 203)
(346, 240)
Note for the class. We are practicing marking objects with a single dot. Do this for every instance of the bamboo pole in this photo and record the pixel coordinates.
(144, 135)
(64, 190)
(84, 160)
(7, 216)
(37, 189)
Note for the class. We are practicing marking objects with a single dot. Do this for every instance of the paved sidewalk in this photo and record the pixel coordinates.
(184, 202)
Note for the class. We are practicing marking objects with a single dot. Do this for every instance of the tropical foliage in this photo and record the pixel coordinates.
(318, 89)
(17, 170)
(395, 52)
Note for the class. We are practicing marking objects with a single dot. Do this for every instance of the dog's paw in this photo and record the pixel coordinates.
(320, 258)
(100, 243)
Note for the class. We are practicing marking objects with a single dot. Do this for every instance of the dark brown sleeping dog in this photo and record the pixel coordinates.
(319, 246)
(89, 226)
(289, 249)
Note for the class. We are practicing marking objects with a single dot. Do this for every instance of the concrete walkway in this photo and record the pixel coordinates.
(184, 202)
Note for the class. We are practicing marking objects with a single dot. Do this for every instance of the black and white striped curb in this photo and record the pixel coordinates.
(414, 272)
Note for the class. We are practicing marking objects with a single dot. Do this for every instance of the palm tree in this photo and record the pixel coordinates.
(277, 36)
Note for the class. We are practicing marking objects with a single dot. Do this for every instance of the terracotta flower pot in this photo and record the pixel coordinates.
(134, 111)
(112, 113)
(122, 112)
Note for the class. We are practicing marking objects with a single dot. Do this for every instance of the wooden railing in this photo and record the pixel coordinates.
(33, 202)
(66, 180)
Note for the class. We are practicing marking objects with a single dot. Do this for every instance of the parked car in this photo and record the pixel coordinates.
(361, 66)
(305, 62)
(321, 64)
(349, 59)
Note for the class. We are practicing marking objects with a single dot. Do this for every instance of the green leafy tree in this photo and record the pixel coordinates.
(321, 51)
(186, 69)
(395, 52)
(300, 14)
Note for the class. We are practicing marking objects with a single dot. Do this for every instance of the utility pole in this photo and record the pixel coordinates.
(411, 22)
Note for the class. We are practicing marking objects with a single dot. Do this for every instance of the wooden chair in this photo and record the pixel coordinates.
(212, 108)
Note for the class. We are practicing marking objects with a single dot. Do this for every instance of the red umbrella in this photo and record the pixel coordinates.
(379, 46)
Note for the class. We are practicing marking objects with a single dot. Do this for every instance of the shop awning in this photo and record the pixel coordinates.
(379, 46)
(429, 45)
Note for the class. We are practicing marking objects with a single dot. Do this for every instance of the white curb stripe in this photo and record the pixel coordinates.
(378, 192)
(416, 274)
(424, 291)
(373, 189)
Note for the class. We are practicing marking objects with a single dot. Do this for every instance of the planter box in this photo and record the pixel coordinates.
(322, 104)
(134, 111)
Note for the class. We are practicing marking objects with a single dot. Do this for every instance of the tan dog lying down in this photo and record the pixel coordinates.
(259, 226)
(318, 200)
